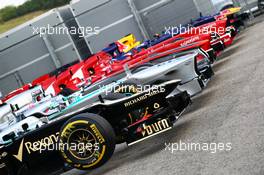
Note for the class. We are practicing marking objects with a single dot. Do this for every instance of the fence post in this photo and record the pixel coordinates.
(19, 79)
(51, 50)
(138, 19)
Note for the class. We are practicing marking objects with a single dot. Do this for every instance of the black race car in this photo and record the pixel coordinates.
(85, 135)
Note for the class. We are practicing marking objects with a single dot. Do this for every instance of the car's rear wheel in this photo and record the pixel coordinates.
(87, 141)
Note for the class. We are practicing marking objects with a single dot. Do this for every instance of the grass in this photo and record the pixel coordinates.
(17, 21)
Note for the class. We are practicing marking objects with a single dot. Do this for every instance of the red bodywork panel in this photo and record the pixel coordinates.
(16, 92)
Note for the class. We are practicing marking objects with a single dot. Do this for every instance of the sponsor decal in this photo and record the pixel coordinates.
(38, 145)
(156, 106)
(141, 98)
(19, 155)
(97, 134)
(42, 144)
(157, 127)
(190, 41)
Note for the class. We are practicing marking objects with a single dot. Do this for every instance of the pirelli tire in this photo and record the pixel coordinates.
(96, 142)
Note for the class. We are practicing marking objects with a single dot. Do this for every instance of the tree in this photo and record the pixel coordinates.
(8, 13)
(11, 12)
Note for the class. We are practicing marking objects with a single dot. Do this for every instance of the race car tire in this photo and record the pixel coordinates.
(87, 141)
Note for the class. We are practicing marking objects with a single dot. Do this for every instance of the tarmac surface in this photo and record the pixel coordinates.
(228, 114)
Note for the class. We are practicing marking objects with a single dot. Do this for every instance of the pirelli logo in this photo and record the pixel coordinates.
(97, 134)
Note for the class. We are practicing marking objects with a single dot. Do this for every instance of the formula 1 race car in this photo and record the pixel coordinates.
(84, 134)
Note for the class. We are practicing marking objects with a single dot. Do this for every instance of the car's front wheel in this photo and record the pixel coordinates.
(87, 141)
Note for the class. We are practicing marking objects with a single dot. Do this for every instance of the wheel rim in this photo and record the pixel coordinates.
(85, 142)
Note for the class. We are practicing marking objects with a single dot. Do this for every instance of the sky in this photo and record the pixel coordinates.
(4, 3)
